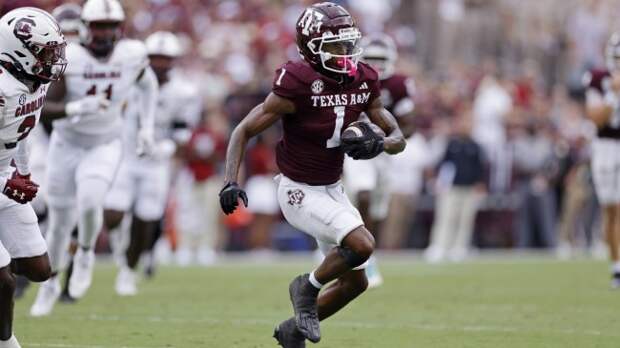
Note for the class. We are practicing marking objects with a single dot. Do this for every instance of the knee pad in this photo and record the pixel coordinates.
(351, 258)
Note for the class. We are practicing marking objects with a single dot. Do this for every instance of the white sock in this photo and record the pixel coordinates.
(10, 343)
(615, 267)
(315, 282)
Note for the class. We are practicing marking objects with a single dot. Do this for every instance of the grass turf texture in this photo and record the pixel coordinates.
(532, 303)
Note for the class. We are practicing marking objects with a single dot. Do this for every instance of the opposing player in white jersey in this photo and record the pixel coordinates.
(142, 183)
(367, 182)
(86, 146)
(68, 18)
(603, 108)
(32, 53)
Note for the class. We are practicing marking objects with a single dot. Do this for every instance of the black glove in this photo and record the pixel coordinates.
(229, 197)
(368, 146)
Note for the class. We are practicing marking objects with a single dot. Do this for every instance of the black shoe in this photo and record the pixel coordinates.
(288, 336)
(303, 297)
(66, 298)
(615, 280)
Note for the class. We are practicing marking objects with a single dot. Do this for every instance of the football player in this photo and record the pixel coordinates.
(366, 181)
(32, 54)
(603, 108)
(142, 183)
(86, 146)
(68, 18)
(316, 98)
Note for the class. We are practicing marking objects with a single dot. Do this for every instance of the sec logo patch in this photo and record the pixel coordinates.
(317, 86)
(22, 99)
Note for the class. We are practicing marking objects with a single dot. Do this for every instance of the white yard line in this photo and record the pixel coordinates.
(344, 324)
(63, 345)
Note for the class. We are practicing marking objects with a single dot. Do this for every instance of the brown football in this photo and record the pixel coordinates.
(355, 131)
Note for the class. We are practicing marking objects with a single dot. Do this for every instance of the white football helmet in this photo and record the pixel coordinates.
(68, 17)
(380, 52)
(103, 11)
(164, 43)
(103, 19)
(32, 42)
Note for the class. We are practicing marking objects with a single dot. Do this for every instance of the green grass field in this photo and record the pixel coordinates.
(509, 303)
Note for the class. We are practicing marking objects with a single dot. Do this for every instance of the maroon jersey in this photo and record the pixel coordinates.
(599, 80)
(397, 94)
(309, 151)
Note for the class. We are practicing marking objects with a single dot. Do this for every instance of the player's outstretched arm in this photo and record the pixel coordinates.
(394, 142)
(149, 87)
(259, 119)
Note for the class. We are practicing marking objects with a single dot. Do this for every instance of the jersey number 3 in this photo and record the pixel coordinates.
(24, 129)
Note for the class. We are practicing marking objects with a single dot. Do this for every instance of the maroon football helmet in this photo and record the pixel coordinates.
(328, 39)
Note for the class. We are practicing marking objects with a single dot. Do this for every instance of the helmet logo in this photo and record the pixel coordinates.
(310, 22)
(317, 86)
(23, 28)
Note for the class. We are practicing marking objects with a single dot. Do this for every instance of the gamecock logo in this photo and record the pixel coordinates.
(23, 28)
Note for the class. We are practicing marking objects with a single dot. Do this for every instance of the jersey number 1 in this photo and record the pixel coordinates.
(334, 141)
(93, 90)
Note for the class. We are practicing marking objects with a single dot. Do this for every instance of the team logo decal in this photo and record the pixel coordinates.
(22, 99)
(317, 86)
(23, 28)
(295, 197)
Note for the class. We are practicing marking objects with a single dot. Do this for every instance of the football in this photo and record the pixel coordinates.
(355, 131)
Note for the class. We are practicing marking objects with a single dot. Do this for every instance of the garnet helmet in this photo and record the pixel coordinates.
(328, 38)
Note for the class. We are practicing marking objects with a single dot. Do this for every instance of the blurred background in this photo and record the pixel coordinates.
(507, 74)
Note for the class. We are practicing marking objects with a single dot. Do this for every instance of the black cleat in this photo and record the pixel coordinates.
(288, 336)
(303, 297)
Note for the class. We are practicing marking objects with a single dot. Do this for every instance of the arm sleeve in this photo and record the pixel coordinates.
(21, 157)
(148, 86)
(285, 84)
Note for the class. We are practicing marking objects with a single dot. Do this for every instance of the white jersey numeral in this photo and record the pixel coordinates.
(280, 77)
(334, 141)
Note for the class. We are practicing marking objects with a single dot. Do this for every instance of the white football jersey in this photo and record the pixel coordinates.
(115, 77)
(178, 101)
(19, 114)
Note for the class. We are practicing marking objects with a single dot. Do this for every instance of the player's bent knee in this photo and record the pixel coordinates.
(39, 274)
(36, 269)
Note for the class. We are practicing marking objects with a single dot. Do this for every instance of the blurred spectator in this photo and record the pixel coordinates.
(263, 190)
(459, 186)
(198, 184)
(492, 105)
(533, 162)
(405, 181)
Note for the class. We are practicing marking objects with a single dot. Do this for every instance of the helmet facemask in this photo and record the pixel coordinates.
(50, 61)
(339, 53)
